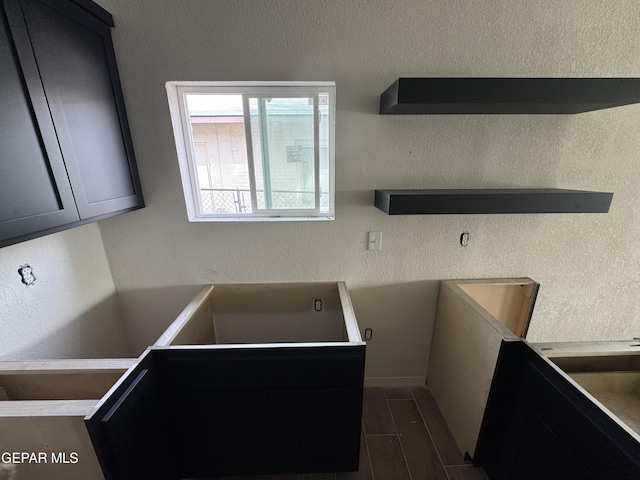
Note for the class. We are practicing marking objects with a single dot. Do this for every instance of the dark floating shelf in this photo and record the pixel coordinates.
(491, 201)
(424, 96)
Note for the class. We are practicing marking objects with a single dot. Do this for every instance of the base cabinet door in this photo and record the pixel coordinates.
(253, 411)
(129, 430)
(205, 412)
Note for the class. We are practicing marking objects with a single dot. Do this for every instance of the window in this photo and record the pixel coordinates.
(255, 150)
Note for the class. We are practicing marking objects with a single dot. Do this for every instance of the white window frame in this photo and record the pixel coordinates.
(176, 93)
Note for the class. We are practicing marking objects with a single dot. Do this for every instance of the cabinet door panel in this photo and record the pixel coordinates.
(34, 189)
(77, 65)
(130, 431)
(265, 410)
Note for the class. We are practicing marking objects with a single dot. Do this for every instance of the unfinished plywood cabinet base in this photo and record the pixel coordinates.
(473, 318)
(44, 409)
(267, 376)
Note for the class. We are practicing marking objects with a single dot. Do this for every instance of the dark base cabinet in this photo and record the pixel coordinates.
(203, 412)
(538, 425)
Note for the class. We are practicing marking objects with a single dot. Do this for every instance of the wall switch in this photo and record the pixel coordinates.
(375, 241)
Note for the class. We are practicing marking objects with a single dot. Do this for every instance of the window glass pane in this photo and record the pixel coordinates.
(282, 133)
(217, 126)
(323, 135)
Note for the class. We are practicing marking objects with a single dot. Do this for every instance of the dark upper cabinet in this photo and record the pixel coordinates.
(66, 153)
(35, 193)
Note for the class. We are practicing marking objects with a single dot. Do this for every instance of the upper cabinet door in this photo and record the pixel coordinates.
(75, 58)
(34, 188)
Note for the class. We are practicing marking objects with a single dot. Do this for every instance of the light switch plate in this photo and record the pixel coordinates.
(375, 241)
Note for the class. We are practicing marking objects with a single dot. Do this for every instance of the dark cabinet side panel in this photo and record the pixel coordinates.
(536, 452)
(539, 425)
(77, 66)
(34, 188)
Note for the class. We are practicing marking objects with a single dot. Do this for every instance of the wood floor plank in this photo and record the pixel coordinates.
(420, 453)
(465, 472)
(364, 471)
(387, 460)
(444, 442)
(398, 393)
(375, 413)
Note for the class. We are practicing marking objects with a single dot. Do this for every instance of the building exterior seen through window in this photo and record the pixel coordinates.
(255, 151)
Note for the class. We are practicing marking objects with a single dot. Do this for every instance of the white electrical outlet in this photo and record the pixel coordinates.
(26, 272)
(375, 241)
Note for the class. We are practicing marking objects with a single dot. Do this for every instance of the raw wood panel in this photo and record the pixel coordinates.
(601, 363)
(618, 391)
(277, 297)
(588, 349)
(304, 326)
(46, 408)
(75, 365)
(510, 303)
(351, 330)
(58, 386)
(194, 325)
(50, 433)
(625, 405)
(34, 422)
(464, 352)
(264, 313)
(73, 379)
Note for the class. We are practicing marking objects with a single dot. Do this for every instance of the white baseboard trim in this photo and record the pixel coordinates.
(395, 381)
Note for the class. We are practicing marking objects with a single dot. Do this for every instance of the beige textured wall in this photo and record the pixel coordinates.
(587, 264)
(71, 310)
